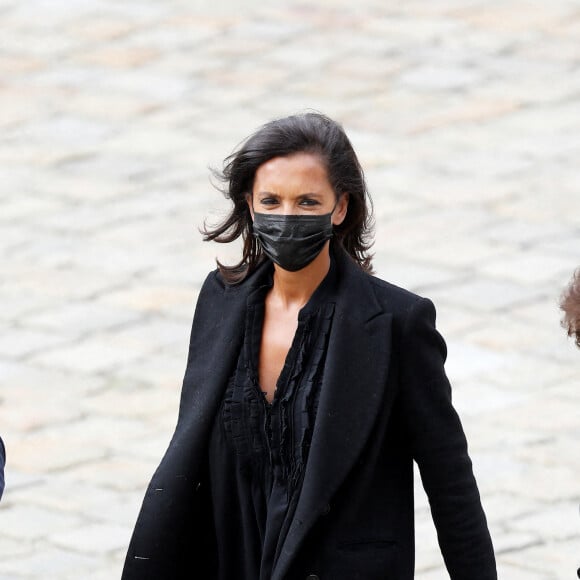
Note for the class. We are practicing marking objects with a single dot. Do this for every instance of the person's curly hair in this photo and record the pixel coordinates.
(570, 304)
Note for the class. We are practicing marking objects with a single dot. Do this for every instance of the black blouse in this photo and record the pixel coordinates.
(258, 450)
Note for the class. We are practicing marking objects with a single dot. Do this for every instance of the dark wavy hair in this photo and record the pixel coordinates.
(305, 133)
(570, 304)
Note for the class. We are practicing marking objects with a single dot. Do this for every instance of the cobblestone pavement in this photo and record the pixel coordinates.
(466, 115)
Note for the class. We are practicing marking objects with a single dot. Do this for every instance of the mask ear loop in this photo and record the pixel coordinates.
(331, 212)
(335, 204)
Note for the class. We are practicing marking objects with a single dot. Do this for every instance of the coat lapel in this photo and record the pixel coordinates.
(355, 375)
(214, 346)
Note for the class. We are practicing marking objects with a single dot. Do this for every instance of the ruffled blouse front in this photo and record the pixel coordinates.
(258, 450)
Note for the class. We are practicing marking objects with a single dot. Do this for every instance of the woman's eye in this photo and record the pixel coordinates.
(269, 201)
(309, 202)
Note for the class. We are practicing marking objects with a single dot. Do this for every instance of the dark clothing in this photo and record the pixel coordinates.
(257, 449)
(384, 401)
(2, 462)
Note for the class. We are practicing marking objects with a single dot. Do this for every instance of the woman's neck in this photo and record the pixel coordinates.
(292, 290)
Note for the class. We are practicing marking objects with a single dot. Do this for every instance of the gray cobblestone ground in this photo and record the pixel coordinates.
(466, 115)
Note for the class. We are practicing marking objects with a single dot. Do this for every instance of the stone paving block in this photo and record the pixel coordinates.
(119, 57)
(20, 379)
(107, 570)
(506, 542)
(520, 573)
(489, 295)
(500, 17)
(49, 563)
(160, 299)
(527, 372)
(121, 473)
(452, 320)
(559, 521)
(151, 447)
(501, 508)
(25, 523)
(473, 111)
(530, 267)
(84, 539)
(527, 234)
(449, 251)
(22, 303)
(90, 356)
(10, 548)
(542, 413)
(464, 360)
(109, 107)
(553, 560)
(440, 78)
(433, 574)
(49, 451)
(550, 450)
(17, 415)
(414, 275)
(81, 317)
(489, 397)
(553, 208)
(164, 373)
(103, 431)
(544, 311)
(18, 341)
(507, 335)
(134, 400)
(89, 501)
(100, 28)
(539, 483)
(22, 208)
(15, 479)
(82, 220)
(66, 131)
(59, 284)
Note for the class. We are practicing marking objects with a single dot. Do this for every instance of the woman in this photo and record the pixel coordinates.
(310, 388)
(570, 305)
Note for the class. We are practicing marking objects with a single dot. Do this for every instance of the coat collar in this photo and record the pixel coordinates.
(355, 375)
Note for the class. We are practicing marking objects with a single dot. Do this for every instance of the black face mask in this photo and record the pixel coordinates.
(292, 241)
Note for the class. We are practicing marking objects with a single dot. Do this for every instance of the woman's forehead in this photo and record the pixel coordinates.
(299, 168)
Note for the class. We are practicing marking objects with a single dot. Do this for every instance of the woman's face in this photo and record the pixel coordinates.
(295, 184)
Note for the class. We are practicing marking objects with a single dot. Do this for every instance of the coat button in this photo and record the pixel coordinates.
(312, 577)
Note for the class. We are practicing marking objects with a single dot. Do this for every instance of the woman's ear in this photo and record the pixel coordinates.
(340, 210)
(250, 202)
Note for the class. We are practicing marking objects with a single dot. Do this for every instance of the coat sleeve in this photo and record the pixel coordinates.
(440, 449)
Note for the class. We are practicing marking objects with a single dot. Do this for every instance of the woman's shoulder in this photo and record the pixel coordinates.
(393, 297)
(216, 282)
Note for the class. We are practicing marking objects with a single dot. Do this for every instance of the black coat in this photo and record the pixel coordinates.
(2, 462)
(385, 400)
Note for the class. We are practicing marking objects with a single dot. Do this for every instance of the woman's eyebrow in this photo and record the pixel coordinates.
(301, 195)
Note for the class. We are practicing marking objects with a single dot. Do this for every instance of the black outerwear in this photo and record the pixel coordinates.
(385, 400)
(2, 462)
